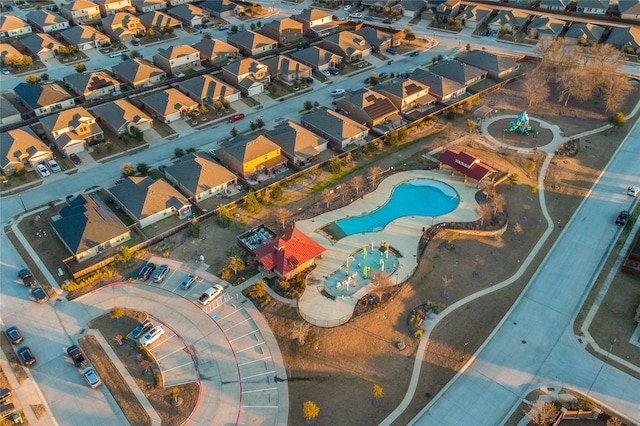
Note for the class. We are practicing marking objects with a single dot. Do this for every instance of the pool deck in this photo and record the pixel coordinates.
(402, 234)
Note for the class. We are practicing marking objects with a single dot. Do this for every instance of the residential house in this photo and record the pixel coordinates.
(43, 46)
(626, 39)
(81, 11)
(43, 98)
(7, 49)
(156, 20)
(554, 5)
(85, 37)
(189, 14)
(317, 58)
(71, 129)
(176, 59)
(199, 177)
(8, 113)
(407, 95)
(206, 89)
(316, 22)
(288, 254)
(474, 15)
(168, 105)
(592, 7)
(87, 227)
(146, 6)
(459, 72)
(286, 31)
(12, 26)
(259, 155)
(441, 87)
(148, 201)
(173, 3)
(583, 33)
(123, 26)
(545, 27)
(286, 69)
(248, 75)
(45, 21)
(629, 9)
(496, 66)
(299, 145)
(121, 116)
(92, 84)
(413, 8)
(339, 130)
(138, 72)
(111, 7)
(369, 108)
(20, 147)
(349, 45)
(511, 20)
(221, 8)
(378, 40)
(212, 49)
(447, 9)
(251, 43)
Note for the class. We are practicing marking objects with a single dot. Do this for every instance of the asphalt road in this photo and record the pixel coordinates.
(534, 345)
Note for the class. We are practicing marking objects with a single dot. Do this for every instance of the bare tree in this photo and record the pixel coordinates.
(446, 283)
(485, 212)
(357, 182)
(342, 190)
(613, 90)
(300, 331)
(489, 189)
(498, 202)
(536, 87)
(281, 215)
(327, 196)
(614, 421)
(478, 262)
(541, 413)
(375, 173)
(381, 281)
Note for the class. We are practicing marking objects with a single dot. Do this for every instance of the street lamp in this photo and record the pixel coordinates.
(464, 350)
(22, 202)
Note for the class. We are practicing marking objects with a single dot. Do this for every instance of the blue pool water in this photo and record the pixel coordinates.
(419, 197)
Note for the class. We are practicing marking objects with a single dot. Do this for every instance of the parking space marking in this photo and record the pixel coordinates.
(254, 360)
(259, 406)
(232, 313)
(237, 324)
(170, 353)
(245, 335)
(259, 390)
(166, 370)
(258, 375)
(250, 347)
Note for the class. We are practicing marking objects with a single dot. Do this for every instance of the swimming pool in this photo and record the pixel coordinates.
(418, 197)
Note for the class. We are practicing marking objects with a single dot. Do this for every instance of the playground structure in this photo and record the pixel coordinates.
(521, 125)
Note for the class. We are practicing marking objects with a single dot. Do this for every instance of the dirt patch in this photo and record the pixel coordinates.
(38, 410)
(144, 371)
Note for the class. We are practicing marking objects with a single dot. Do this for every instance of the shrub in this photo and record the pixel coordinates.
(418, 334)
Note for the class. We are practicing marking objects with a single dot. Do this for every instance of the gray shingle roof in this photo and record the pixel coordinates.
(144, 197)
(199, 174)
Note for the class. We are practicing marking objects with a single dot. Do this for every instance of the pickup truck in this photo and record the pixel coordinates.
(77, 356)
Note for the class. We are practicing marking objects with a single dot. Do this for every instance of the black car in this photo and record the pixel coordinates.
(27, 278)
(622, 218)
(14, 335)
(383, 75)
(414, 54)
(26, 356)
(141, 329)
(135, 42)
(39, 294)
(146, 271)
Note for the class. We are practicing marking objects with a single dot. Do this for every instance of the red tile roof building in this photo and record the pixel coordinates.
(288, 253)
(466, 164)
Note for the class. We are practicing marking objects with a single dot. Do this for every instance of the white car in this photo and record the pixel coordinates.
(154, 334)
(338, 92)
(633, 191)
(91, 377)
(55, 168)
(210, 295)
(325, 73)
(44, 172)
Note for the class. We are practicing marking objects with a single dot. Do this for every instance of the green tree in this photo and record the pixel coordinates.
(32, 79)
(471, 125)
(80, 67)
(234, 131)
(235, 263)
(260, 122)
(127, 169)
(136, 133)
(142, 169)
(403, 135)
(468, 47)
(194, 229)
(150, 32)
(308, 105)
(276, 193)
(44, 76)
(334, 165)
(373, 79)
(257, 290)
(392, 138)
(618, 119)
(310, 411)
(19, 170)
(253, 126)
(178, 152)
(116, 313)
(135, 54)
(207, 35)
(253, 205)
(224, 216)
(123, 256)
(513, 178)
(252, 26)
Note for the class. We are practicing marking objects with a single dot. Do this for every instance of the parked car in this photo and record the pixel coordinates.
(5, 71)
(633, 191)
(223, 27)
(77, 356)
(152, 335)
(622, 218)
(210, 294)
(450, 59)
(405, 75)
(414, 54)
(388, 21)
(141, 329)
(39, 294)
(75, 158)
(160, 273)
(44, 172)
(310, 80)
(135, 42)
(91, 377)
(14, 335)
(383, 75)
(368, 18)
(325, 73)
(26, 356)
(334, 71)
(27, 278)
(392, 51)
(146, 271)
(53, 165)
(338, 92)
(188, 281)
(236, 117)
